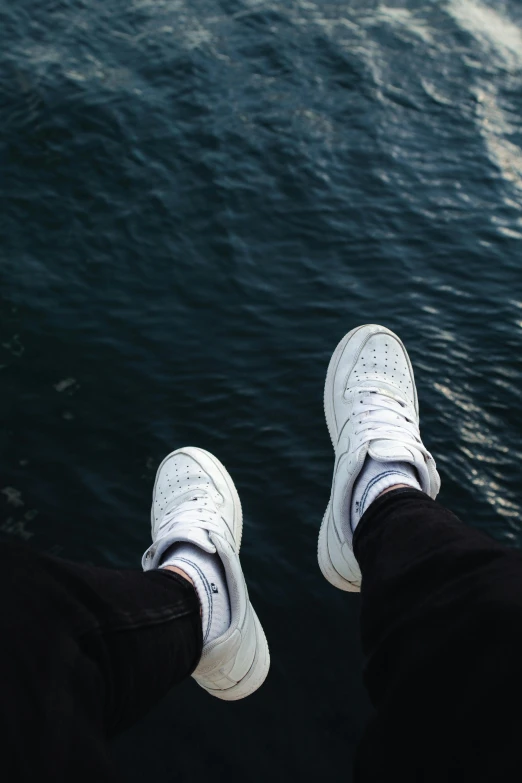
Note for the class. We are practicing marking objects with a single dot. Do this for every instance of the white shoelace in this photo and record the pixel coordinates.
(383, 417)
(186, 513)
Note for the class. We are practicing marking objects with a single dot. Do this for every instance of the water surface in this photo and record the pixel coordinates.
(198, 200)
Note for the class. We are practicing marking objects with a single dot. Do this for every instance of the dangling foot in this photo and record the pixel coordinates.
(196, 528)
(372, 413)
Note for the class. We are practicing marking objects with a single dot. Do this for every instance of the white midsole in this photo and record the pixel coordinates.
(257, 673)
(328, 569)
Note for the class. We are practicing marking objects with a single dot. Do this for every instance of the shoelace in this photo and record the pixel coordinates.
(382, 417)
(202, 517)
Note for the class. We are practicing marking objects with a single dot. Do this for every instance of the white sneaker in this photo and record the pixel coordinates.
(371, 408)
(195, 500)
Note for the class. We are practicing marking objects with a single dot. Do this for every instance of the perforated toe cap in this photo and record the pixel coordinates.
(180, 474)
(383, 358)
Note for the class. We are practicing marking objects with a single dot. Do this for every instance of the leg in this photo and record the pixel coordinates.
(85, 651)
(441, 605)
(197, 525)
(442, 634)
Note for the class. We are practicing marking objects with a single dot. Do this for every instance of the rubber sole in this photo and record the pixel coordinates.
(257, 673)
(328, 569)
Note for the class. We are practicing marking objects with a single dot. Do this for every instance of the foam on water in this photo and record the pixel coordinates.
(495, 31)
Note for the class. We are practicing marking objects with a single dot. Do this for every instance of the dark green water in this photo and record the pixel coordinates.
(198, 200)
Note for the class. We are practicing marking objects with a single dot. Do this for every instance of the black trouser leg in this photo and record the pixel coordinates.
(84, 652)
(442, 635)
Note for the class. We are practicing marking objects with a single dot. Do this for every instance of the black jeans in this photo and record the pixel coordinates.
(442, 636)
(85, 651)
